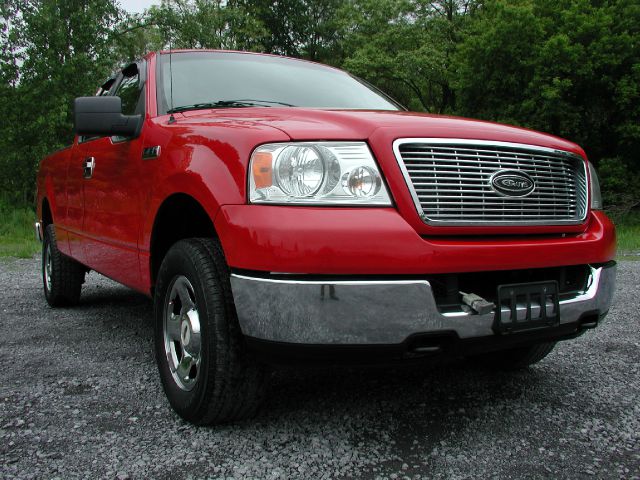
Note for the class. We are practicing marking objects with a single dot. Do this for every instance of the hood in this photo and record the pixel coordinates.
(312, 124)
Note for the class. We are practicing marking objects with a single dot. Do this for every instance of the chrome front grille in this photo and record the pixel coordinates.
(451, 182)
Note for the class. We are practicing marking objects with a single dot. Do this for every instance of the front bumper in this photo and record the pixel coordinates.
(387, 312)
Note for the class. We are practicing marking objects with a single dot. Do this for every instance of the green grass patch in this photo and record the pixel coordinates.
(628, 232)
(17, 238)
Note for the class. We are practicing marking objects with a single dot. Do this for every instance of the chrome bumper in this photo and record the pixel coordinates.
(377, 312)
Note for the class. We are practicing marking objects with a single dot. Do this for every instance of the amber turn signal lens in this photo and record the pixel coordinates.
(262, 169)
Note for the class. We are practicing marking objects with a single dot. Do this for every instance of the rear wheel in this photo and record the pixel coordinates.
(62, 276)
(206, 372)
(516, 358)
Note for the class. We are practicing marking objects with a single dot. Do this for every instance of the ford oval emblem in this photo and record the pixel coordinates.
(512, 183)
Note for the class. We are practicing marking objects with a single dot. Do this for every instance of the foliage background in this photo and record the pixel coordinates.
(568, 67)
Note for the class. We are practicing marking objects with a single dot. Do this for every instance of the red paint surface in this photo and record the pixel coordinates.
(107, 222)
(381, 241)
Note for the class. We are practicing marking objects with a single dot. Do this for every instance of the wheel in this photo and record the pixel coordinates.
(62, 276)
(516, 358)
(206, 372)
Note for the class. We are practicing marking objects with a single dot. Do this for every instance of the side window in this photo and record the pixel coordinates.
(128, 86)
(130, 93)
(106, 88)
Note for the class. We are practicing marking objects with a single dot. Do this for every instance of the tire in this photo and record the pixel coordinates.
(206, 372)
(516, 358)
(62, 276)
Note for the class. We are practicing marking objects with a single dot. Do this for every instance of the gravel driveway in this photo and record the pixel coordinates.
(80, 398)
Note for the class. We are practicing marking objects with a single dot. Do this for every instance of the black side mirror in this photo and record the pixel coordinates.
(103, 116)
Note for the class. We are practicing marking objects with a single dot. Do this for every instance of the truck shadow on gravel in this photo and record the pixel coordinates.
(99, 296)
(411, 413)
(399, 391)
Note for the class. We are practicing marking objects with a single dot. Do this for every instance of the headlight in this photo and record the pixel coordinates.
(596, 196)
(311, 173)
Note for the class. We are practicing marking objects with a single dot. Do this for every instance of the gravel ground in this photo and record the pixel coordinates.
(80, 398)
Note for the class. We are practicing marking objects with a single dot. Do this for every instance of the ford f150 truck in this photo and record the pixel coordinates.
(277, 209)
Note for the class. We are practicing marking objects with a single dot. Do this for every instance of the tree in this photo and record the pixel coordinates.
(136, 35)
(405, 47)
(308, 29)
(52, 51)
(206, 24)
(569, 67)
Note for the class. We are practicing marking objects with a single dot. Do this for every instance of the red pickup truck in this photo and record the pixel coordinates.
(279, 210)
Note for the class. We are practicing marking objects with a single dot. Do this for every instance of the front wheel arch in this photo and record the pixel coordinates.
(179, 217)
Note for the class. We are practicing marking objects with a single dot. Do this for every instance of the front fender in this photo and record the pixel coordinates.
(207, 161)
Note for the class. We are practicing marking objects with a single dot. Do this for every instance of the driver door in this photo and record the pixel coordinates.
(112, 197)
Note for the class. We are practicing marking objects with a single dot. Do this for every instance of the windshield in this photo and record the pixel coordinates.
(225, 79)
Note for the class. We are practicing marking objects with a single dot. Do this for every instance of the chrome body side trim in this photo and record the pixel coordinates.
(38, 231)
(487, 143)
(376, 312)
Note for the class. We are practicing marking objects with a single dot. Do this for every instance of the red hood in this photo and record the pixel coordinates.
(311, 124)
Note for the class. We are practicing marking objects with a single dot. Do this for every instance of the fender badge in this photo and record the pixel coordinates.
(149, 153)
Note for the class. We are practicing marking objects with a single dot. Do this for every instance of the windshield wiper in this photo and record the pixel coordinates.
(241, 103)
(255, 101)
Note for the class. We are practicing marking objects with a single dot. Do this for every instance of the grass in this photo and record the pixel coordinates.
(17, 238)
(628, 232)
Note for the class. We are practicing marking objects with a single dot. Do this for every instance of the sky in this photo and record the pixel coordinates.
(137, 6)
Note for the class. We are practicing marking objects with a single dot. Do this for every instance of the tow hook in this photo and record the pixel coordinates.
(477, 303)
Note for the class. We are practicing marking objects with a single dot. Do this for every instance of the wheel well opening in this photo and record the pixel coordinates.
(179, 217)
(47, 217)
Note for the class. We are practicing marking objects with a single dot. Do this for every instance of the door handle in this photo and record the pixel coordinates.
(87, 167)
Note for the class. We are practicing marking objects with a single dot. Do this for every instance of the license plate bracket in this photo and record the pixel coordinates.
(527, 306)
